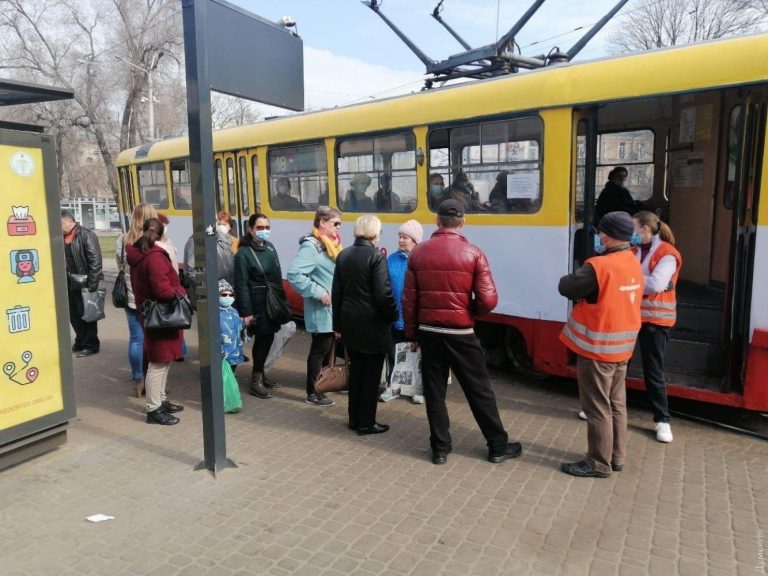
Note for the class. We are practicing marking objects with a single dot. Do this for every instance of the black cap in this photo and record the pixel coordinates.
(451, 208)
(617, 225)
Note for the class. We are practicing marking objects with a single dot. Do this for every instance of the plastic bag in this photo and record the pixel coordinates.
(93, 304)
(232, 401)
(406, 375)
(286, 332)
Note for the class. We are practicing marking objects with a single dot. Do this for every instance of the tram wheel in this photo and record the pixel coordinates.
(517, 355)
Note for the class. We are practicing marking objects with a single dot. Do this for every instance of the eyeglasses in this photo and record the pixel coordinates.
(226, 294)
(263, 227)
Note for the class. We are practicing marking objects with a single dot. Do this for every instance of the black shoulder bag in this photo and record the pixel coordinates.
(278, 310)
(120, 289)
(174, 314)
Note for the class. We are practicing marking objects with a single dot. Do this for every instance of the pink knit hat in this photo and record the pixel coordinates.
(413, 230)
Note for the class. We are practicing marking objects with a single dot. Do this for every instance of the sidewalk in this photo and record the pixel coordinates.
(309, 497)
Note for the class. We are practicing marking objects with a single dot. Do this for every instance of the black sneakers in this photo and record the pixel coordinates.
(169, 408)
(514, 449)
(160, 416)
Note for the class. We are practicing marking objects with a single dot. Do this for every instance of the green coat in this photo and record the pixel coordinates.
(250, 287)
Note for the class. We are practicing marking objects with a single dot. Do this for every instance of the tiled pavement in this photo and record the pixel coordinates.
(311, 498)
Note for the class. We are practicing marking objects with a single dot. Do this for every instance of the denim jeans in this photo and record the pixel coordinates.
(135, 342)
(653, 345)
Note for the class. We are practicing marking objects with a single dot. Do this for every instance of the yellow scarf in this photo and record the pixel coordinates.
(332, 246)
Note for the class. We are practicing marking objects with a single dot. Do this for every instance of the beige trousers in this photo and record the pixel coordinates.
(603, 397)
(154, 384)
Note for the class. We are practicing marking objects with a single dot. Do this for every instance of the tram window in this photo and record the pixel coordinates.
(231, 192)
(126, 189)
(377, 174)
(152, 186)
(633, 150)
(181, 185)
(298, 177)
(734, 133)
(218, 183)
(256, 186)
(243, 166)
(501, 161)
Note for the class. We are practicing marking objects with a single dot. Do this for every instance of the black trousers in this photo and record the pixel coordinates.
(261, 345)
(464, 355)
(319, 356)
(653, 345)
(86, 333)
(364, 378)
(395, 337)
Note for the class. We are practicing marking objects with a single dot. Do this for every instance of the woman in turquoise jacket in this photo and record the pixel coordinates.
(311, 275)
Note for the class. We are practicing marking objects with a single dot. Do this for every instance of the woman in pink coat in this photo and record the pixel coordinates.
(154, 277)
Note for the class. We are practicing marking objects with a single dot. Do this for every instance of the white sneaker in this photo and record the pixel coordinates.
(663, 432)
(417, 399)
(582, 416)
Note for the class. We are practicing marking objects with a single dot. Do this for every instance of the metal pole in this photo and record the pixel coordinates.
(203, 223)
(151, 104)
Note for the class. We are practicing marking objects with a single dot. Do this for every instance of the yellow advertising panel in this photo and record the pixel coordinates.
(31, 383)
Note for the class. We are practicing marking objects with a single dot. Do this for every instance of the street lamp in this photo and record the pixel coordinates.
(150, 90)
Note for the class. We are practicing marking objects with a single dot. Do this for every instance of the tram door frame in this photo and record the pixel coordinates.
(752, 135)
(582, 233)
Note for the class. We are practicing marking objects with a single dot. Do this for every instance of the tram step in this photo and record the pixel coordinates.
(689, 357)
(698, 323)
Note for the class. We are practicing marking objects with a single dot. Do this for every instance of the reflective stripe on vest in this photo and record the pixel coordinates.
(661, 308)
(596, 348)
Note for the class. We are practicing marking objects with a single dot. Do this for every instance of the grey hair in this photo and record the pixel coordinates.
(325, 213)
(368, 227)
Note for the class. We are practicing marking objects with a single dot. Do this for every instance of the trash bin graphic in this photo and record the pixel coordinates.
(18, 319)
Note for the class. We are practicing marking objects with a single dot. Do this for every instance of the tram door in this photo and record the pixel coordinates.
(584, 156)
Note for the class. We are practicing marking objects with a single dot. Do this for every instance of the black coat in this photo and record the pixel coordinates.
(363, 304)
(250, 287)
(86, 252)
(615, 198)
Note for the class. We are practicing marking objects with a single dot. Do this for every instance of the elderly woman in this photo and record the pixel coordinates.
(363, 311)
(154, 277)
(257, 263)
(311, 275)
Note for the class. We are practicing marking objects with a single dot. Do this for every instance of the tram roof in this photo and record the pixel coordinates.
(701, 66)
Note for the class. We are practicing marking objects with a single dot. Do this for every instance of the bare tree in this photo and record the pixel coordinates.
(650, 24)
(228, 111)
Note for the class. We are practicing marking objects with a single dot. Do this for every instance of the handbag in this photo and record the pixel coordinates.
(77, 281)
(335, 377)
(174, 314)
(278, 310)
(120, 289)
(93, 304)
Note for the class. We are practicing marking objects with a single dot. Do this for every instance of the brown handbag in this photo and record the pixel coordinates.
(334, 378)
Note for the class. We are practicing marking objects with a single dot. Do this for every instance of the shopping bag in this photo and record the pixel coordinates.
(406, 375)
(232, 401)
(93, 304)
(286, 332)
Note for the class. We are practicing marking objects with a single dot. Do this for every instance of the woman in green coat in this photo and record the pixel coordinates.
(257, 263)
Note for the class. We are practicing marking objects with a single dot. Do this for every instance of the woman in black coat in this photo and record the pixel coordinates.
(257, 263)
(363, 310)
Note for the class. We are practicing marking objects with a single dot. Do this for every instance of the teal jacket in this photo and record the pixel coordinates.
(311, 275)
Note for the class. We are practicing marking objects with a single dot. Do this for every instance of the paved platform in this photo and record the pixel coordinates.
(311, 498)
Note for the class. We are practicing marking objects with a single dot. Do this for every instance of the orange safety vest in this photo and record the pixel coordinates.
(660, 309)
(607, 330)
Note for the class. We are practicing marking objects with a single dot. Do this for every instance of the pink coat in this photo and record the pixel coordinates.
(154, 277)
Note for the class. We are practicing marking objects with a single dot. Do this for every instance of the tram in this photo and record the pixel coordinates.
(689, 124)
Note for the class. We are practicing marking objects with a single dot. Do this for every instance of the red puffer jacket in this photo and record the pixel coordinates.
(448, 283)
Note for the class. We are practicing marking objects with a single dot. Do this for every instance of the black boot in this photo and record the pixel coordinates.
(169, 408)
(159, 416)
(257, 386)
(269, 383)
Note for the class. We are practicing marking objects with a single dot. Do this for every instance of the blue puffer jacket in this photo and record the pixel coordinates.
(311, 275)
(398, 265)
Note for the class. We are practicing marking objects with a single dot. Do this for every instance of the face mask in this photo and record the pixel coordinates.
(463, 185)
(226, 301)
(635, 240)
(262, 235)
(599, 248)
(436, 189)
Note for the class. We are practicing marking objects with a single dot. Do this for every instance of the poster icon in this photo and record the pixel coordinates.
(21, 223)
(22, 375)
(22, 164)
(18, 319)
(25, 264)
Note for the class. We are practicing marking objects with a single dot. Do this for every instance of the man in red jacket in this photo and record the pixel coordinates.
(448, 284)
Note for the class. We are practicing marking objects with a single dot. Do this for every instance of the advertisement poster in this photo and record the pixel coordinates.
(31, 381)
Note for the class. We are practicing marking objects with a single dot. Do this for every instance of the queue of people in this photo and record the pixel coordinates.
(428, 293)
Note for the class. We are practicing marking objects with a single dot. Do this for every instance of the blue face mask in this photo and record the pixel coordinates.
(226, 301)
(263, 235)
(599, 248)
(635, 240)
(436, 189)
(463, 185)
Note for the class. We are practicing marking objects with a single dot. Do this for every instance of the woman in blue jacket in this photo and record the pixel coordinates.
(311, 275)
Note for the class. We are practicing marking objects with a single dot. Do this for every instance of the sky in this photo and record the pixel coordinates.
(350, 55)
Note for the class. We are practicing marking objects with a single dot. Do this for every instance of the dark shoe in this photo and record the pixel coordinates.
(159, 416)
(319, 400)
(439, 458)
(257, 386)
(514, 449)
(87, 352)
(583, 469)
(179, 359)
(617, 467)
(77, 348)
(375, 429)
(169, 408)
(271, 384)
